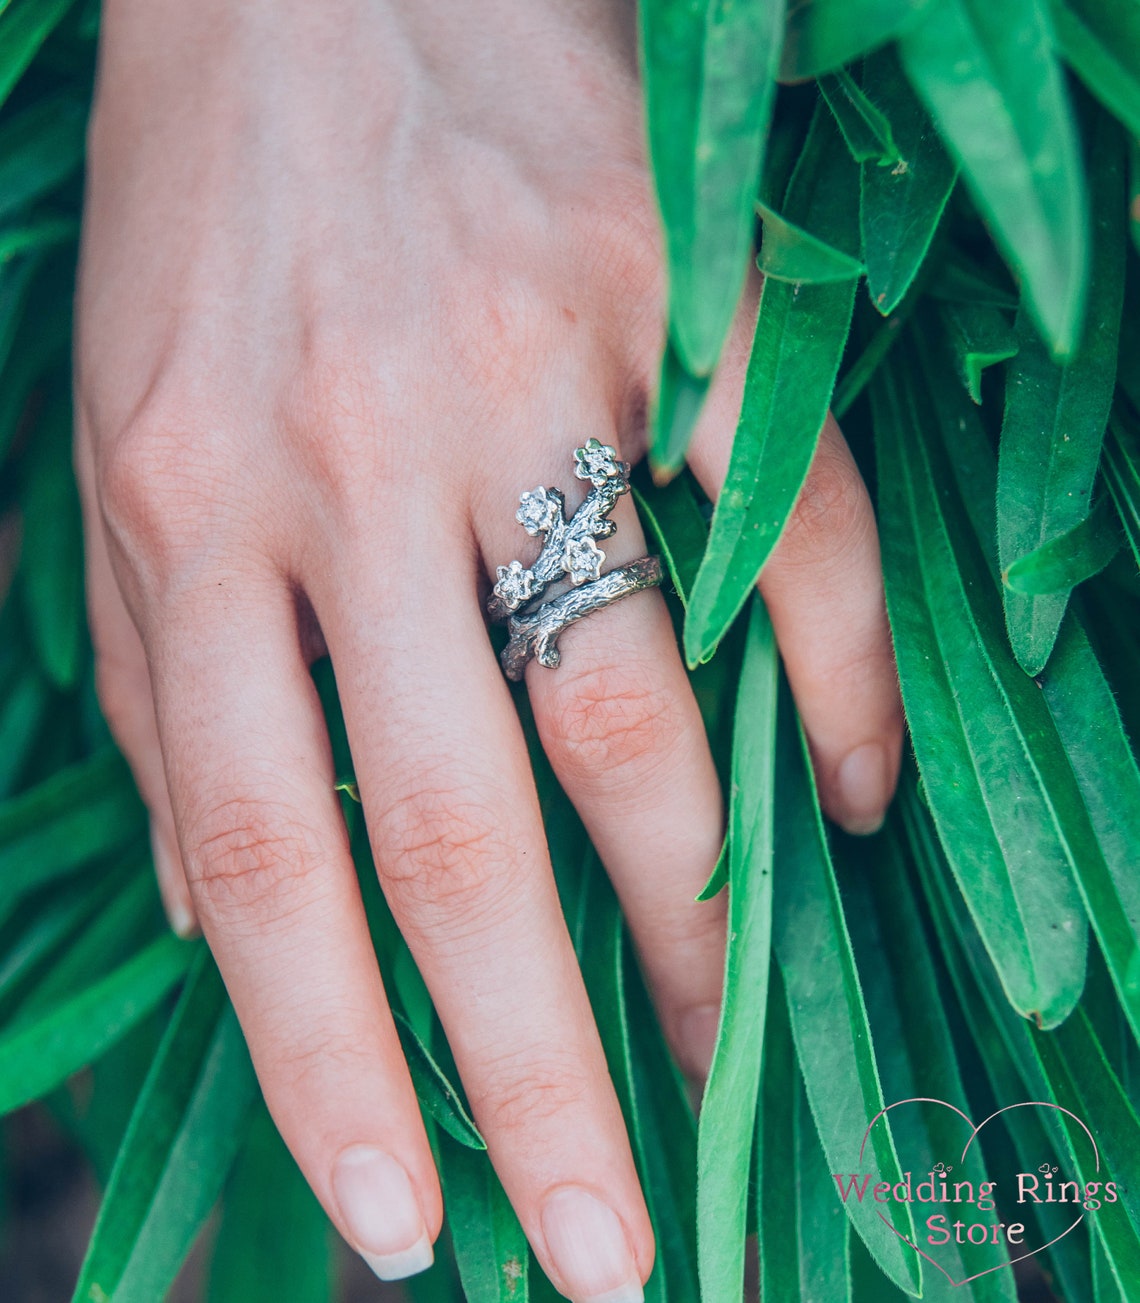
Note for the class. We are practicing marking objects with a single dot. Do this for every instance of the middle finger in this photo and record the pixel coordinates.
(457, 834)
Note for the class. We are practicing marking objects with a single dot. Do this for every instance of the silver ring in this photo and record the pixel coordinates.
(569, 552)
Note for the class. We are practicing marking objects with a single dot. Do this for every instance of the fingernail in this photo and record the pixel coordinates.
(696, 1033)
(380, 1209)
(588, 1246)
(168, 871)
(863, 790)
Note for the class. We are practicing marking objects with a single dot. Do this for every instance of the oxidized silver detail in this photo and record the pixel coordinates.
(568, 552)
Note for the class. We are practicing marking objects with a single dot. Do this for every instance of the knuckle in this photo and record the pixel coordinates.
(605, 726)
(161, 488)
(332, 412)
(331, 1059)
(517, 1097)
(832, 514)
(251, 861)
(442, 853)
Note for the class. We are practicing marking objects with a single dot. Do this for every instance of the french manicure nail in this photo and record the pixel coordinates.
(862, 780)
(168, 871)
(380, 1209)
(589, 1248)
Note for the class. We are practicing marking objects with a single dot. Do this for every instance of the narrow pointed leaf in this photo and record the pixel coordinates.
(980, 731)
(39, 147)
(1100, 819)
(789, 253)
(491, 1251)
(82, 812)
(708, 69)
(1121, 462)
(1100, 40)
(1055, 417)
(803, 1233)
(906, 1009)
(437, 1095)
(728, 1110)
(865, 127)
(677, 406)
(799, 340)
(825, 1004)
(36, 1058)
(823, 35)
(980, 337)
(24, 26)
(274, 1241)
(186, 1129)
(676, 524)
(900, 206)
(989, 77)
(1068, 559)
(51, 565)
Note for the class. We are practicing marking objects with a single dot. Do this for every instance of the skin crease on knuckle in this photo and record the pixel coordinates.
(307, 314)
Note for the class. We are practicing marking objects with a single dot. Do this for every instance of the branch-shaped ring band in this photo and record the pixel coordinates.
(569, 552)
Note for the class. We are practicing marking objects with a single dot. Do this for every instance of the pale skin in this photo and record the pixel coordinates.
(355, 275)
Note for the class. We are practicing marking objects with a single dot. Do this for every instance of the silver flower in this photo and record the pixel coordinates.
(597, 462)
(538, 510)
(582, 560)
(515, 585)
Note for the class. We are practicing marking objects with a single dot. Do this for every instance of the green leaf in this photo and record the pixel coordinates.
(822, 35)
(51, 559)
(708, 68)
(82, 812)
(803, 1233)
(674, 521)
(666, 1138)
(1068, 559)
(1100, 40)
(186, 1129)
(274, 1241)
(825, 1002)
(1066, 1066)
(1121, 462)
(800, 335)
(980, 337)
(789, 253)
(675, 412)
(996, 1033)
(39, 147)
(24, 26)
(491, 1251)
(1102, 827)
(35, 1059)
(988, 75)
(991, 763)
(865, 127)
(906, 1010)
(900, 206)
(728, 1110)
(436, 1093)
(1055, 417)
(24, 703)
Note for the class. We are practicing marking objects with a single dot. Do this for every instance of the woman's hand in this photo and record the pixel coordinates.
(354, 275)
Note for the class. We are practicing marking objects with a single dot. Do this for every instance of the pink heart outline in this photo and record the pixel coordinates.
(1028, 1103)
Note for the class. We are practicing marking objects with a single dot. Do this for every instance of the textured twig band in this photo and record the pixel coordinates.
(568, 552)
(536, 634)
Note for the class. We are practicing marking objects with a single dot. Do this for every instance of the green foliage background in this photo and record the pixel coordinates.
(949, 195)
